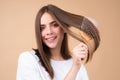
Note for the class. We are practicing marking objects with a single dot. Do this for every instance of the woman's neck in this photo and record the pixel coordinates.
(56, 54)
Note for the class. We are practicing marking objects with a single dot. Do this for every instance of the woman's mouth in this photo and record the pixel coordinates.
(51, 39)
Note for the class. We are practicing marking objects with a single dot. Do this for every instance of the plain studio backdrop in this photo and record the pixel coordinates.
(17, 19)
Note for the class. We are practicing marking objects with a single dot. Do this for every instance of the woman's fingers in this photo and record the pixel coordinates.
(80, 52)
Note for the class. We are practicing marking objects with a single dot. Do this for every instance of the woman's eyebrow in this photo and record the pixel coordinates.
(42, 25)
(49, 23)
(52, 22)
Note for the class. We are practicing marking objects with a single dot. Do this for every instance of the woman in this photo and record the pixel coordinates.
(53, 60)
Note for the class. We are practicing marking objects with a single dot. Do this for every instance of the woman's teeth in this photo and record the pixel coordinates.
(52, 38)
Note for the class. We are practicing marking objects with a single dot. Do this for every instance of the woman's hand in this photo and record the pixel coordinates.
(79, 53)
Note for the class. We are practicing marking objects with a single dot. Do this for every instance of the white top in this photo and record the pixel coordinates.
(30, 68)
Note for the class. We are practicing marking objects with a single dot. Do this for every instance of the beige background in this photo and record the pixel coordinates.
(17, 33)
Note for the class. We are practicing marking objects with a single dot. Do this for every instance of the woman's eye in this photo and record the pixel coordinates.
(55, 25)
(42, 28)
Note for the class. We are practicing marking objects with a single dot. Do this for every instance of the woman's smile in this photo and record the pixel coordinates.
(50, 39)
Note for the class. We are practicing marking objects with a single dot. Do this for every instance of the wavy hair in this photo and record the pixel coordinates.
(76, 26)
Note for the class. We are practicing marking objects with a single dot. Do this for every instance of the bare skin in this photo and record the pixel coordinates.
(79, 53)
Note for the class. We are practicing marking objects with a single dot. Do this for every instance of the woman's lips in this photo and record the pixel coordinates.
(51, 39)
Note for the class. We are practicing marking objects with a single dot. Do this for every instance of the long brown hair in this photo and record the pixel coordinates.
(87, 33)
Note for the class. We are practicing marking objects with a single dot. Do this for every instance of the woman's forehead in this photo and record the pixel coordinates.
(46, 18)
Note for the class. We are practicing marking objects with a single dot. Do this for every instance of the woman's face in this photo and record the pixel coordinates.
(52, 34)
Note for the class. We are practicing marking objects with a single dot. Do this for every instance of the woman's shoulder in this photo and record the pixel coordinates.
(28, 56)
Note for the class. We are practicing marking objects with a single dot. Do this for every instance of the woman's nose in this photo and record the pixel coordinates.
(49, 30)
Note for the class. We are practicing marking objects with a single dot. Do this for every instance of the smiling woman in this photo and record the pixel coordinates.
(52, 34)
(52, 60)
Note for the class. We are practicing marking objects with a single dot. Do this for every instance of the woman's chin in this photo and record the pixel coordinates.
(51, 46)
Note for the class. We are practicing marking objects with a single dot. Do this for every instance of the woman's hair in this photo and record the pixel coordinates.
(77, 26)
